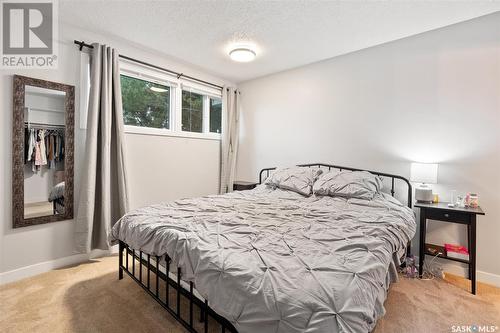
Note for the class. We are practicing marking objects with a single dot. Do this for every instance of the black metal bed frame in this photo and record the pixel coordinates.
(130, 258)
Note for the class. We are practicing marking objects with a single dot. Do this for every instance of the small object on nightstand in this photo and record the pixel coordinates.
(240, 185)
(473, 200)
(467, 200)
(436, 198)
(453, 198)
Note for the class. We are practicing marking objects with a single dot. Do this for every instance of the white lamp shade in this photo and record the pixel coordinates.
(424, 173)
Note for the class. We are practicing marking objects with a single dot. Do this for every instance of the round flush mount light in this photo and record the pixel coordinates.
(242, 54)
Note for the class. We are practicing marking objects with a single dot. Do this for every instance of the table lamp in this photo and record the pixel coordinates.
(424, 173)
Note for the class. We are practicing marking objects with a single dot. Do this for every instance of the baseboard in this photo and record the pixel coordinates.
(39, 268)
(28, 271)
(489, 278)
(485, 277)
(457, 269)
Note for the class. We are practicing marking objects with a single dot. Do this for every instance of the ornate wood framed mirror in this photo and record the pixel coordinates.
(42, 151)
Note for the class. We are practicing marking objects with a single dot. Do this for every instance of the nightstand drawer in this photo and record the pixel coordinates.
(450, 216)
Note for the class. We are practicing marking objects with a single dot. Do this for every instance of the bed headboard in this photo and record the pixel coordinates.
(266, 172)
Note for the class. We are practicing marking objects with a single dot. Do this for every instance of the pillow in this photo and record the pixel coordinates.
(348, 184)
(297, 179)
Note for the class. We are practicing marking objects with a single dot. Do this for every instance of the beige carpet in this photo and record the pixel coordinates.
(90, 298)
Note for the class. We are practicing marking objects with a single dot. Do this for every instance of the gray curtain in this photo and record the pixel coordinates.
(230, 135)
(103, 193)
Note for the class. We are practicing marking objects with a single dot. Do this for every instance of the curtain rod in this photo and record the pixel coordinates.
(82, 44)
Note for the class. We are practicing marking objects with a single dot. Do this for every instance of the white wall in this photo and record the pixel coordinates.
(160, 168)
(170, 168)
(434, 97)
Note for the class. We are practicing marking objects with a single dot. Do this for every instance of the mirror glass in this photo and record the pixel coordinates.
(44, 151)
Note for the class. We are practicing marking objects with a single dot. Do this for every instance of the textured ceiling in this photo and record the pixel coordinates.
(288, 34)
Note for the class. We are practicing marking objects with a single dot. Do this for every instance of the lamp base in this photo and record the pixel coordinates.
(423, 194)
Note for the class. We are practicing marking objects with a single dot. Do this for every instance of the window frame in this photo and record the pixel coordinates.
(176, 87)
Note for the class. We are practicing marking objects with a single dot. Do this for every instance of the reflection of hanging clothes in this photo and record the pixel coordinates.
(46, 141)
(38, 154)
(44, 147)
(48, 147)
(60, 148)
(52, 153)
(26, 143)
(43, 152)
(31, 144)
(56, 148)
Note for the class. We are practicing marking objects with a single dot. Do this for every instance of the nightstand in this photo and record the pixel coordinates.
(441, 212)
(240, 185)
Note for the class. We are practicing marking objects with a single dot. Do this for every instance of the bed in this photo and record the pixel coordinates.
(270, 259)
(56, 196)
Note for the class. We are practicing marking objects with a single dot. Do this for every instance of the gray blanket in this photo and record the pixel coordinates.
(275, 261)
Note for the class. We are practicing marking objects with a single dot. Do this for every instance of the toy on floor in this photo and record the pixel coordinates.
(410, 269)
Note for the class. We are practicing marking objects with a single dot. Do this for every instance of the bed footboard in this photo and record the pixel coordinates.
(178, 301)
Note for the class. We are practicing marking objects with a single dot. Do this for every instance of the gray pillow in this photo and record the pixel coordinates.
(348, 184)
(297, 179)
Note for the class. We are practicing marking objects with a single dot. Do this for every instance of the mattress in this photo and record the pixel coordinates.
(270, 260)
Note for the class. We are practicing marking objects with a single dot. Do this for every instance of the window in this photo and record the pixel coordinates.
(145, 103)
(194, 117)
(215, 115)
(157, 103)
(192, 112)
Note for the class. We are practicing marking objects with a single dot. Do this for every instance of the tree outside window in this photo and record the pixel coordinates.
(145, 104)
(192, 112)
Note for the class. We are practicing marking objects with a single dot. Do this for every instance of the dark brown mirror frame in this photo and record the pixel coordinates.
(20, 83)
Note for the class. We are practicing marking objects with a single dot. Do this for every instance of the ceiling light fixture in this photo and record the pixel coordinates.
(157, 89)
(242, 54)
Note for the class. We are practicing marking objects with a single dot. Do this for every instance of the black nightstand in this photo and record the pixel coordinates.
(442, 212)
(240, 185)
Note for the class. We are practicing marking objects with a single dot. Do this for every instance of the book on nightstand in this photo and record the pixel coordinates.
(456, 251)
